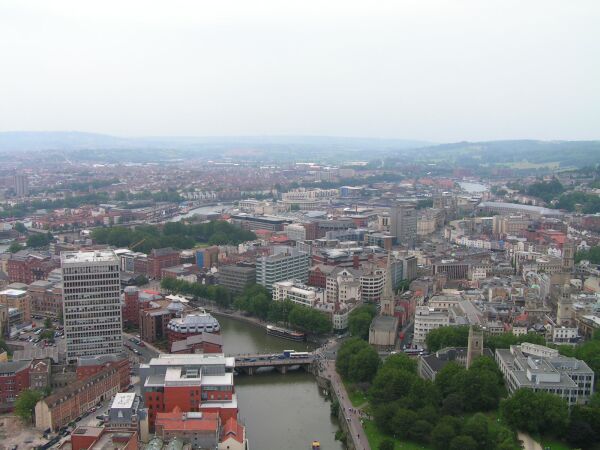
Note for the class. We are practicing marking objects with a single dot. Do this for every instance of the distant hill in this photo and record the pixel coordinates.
(515, 154)
(74, 140)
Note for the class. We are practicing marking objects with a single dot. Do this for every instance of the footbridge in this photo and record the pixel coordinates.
(249, 364)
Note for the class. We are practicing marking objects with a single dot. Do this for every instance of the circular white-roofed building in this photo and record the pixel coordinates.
(192, 324)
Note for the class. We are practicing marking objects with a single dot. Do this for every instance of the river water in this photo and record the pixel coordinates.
(281, 412)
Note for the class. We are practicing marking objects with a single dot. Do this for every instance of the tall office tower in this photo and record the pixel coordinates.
(21, 185)
(403, 223)
(91, 304)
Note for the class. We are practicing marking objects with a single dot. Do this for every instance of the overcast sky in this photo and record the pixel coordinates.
(432, 70)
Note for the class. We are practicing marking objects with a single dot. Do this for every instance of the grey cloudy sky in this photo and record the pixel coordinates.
(433, 70)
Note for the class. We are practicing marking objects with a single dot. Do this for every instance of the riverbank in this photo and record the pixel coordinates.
(254, 321)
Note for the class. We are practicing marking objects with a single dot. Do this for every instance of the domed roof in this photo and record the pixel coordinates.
(197, 322)
(175, 306)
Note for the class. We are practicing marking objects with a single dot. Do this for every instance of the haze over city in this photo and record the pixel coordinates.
(436, 71)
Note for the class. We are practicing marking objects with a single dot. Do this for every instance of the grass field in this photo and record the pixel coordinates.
(553, 444)
(375, 437)
(357, 398)
(530, 165)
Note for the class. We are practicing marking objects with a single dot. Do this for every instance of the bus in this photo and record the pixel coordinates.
(298, 355)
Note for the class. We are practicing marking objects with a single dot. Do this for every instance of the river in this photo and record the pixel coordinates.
(281, 412)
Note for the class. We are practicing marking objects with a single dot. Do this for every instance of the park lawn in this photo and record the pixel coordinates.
(375, 437)
(552, 443)
(357, 398)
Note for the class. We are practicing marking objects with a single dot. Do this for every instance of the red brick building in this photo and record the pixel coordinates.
(72, 401)
(99, 438)
(161, 258)
(14, 378)
(317, 275)
(181, 383)
(26, 267)
(87, 367)
(200, 343)
(153, 323)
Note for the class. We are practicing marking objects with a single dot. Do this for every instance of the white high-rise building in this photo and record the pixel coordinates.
(91, 304)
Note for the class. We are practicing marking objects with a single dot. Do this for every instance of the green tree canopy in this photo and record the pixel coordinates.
(535, 412)
(359, 321)
(25, 404)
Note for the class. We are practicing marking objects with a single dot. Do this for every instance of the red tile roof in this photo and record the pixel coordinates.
(233, 429)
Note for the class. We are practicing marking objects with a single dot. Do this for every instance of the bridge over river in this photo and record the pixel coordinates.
(249, 364)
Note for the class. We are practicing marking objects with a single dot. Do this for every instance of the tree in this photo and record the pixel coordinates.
(15, 247)
(447, 337)
(441, 435)
(535, 412)
(463, 443)
(364, 365)
(386, 444)
(39, 240)
(48, 335)
(391, 384)
(581, 434)
(140, 280)
(20, 228)
(477, 428)
(400, 361)
(25, 404)
(402, 422)
(357, 361)
(359, 321)
(420, 431)
(47, 323)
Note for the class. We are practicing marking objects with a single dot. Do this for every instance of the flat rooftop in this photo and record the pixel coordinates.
(123, 400)
(82, 257)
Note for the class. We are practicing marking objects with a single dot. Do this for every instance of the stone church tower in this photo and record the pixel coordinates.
(475, 345)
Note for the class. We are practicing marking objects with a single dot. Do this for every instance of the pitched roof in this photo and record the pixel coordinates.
(232, 429)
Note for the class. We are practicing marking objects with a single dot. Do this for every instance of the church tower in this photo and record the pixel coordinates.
(475, 345)
(568, 255)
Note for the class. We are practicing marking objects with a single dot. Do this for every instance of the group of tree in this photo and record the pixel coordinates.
(170, 196)
(359, 320)
(357, 361)
(458, 336)
(173, 234)
(539, 412)
(546, 190)
(589, 203)
(257, 301)
(39, 240)
(211, 292)
(592, 255)
(446, 414)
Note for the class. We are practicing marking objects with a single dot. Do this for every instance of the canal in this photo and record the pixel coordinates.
(283, 412)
